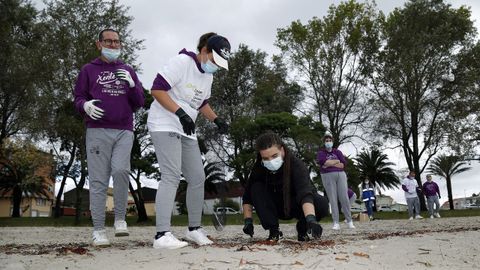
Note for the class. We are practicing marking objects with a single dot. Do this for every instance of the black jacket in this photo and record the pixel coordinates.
(301, 190)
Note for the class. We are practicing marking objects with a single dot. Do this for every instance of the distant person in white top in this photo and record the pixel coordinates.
(181, 90)
(410, 186)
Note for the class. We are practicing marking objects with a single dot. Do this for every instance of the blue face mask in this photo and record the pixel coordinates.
(209, 67)
(328, 145)
(110, 54)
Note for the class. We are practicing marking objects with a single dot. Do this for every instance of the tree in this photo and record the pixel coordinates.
(463, 122)
(19, 41)
(332, 55)
(20, 166)
(375, 165)
(446, 167)
(413, 74)
(143, 157)
(70, 28)
(354, 177)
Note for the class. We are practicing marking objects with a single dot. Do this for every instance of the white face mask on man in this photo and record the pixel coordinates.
(274, 164)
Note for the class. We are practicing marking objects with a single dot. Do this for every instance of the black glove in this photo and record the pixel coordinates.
(248, 228)
(313, 228)
(187, 122)
(222, 125)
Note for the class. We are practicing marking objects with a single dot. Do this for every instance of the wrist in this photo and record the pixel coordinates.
(248, 221)
(311, 218)
(180, 112)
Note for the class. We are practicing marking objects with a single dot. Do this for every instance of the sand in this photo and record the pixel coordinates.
(445, 243)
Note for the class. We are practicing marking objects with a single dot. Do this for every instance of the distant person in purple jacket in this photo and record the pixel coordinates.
(430, 189)
(352, 197)
(332, 164)
(107, 93)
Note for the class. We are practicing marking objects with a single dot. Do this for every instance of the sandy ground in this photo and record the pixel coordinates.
(445, 243)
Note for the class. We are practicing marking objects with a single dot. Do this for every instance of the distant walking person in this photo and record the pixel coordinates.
(332, 170)
(410, 186)
(432, 192)
(181, 90)
(107, 93)
(368, 196)
(352, 197)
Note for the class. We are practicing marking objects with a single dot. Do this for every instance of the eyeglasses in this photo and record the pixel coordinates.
(109, 42)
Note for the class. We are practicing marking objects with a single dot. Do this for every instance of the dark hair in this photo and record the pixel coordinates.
(265, 141)
(100, 35)
(202, 42)
(368, 184)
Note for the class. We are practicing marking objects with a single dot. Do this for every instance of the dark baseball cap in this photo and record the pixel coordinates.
(221, 50)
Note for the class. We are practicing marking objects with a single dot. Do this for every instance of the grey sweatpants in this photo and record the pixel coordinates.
(413, 205)
(431, 200)
(178, 155)
(335, 184)
(108, 154)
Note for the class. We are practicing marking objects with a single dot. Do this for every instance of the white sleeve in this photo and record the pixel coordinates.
(174, 70)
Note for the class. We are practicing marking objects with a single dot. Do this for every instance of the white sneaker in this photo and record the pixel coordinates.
(198, 236)
(431, 216)
(168, 241)
(336, 226)
(437, 215)
(418, 217)
(100, 238)
(350, 225)
(121, 228)
(411, 218)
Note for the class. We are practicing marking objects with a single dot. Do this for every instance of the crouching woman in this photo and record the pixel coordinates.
(279, 187)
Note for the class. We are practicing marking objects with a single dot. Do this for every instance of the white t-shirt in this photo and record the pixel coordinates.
(411, 185)
(190, 88)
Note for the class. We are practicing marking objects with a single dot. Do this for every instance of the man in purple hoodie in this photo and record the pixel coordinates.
(430, 189)
(107, 93)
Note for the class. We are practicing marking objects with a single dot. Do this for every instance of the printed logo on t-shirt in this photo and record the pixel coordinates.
(331, 156)
(110, 84)
(196, 97)
(95, 149)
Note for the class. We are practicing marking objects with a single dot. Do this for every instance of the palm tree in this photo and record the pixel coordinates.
(448, 166)
(375, 165)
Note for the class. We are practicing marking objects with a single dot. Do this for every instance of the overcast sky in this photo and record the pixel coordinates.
(168, 26)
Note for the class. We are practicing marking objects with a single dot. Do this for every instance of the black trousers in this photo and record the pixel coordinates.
(268, 203)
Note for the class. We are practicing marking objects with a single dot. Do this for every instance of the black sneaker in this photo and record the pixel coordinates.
(274, 235)
(302, 231)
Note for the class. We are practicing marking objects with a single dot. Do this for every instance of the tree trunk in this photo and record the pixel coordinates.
(423, 205)
(139, 203)
(142, 212)
(79, 186)
(17, 200)
(66, 170)
(449, 190)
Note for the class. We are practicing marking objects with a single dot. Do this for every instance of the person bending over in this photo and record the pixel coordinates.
(279, 187)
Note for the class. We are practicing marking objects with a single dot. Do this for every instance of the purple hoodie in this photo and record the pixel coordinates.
(97, 80)
(431, 189)
(323, 155)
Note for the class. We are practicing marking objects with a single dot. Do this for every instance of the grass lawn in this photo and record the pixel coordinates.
(182, 220)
